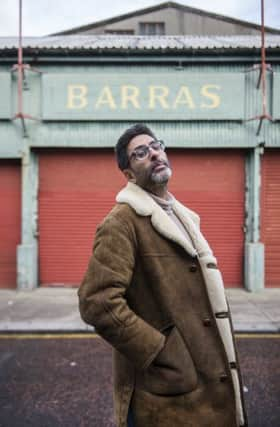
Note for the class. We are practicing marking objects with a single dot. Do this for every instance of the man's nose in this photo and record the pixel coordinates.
(154, 154)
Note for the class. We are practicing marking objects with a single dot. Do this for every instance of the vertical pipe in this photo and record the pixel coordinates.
(263, 66)
(20, 61)
(20, 33)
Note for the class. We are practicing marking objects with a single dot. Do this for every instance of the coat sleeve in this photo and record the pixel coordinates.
(102, 301)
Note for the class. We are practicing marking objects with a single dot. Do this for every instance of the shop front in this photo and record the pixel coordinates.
(59, 175)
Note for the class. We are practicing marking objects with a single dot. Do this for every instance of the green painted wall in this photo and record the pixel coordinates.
(199, 130)
(44, 100)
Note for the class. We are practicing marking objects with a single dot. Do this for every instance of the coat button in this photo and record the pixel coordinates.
(207, 321)
(223, 378)
(193, 268)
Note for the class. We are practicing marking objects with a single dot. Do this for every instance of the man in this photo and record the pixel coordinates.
(154, 292)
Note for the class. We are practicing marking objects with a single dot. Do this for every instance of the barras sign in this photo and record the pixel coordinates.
(146, 96)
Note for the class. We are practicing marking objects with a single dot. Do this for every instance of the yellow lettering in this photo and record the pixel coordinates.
(216, 100)
(106, 98)
(77, 96)
(184, 97)
(158, 93)
(129, 94)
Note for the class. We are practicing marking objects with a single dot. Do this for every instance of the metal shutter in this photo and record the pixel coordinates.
(76, 190)
(10, 181)
(270, 218)
(212, 183)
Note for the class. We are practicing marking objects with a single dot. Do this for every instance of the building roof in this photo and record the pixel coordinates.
(168, 4)
(79, 44)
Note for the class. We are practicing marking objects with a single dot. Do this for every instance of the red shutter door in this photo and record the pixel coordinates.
(76, 190)
(212, 183)
(10, 181)
(270, 218)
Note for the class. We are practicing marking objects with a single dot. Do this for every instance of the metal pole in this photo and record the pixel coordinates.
(263, 70)
(20, 70)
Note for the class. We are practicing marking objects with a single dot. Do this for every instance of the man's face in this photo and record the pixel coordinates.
(154, 169)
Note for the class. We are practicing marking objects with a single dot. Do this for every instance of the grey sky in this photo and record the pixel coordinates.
(42, 17)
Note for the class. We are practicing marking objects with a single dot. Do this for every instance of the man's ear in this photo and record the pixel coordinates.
(128, 173)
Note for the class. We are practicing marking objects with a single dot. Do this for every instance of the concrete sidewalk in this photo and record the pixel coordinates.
(56, 309)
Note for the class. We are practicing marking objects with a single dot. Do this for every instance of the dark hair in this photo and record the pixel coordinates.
(124, 140)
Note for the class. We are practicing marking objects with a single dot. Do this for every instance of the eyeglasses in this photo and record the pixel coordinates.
(142, 151)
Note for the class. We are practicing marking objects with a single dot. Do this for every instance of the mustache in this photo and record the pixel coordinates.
(159, 163)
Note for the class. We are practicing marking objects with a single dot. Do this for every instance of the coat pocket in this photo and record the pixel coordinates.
(173, 371)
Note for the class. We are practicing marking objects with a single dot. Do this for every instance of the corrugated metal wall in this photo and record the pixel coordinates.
(177, 134)
(196, 134)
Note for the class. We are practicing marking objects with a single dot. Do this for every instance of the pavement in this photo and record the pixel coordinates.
(56, 310)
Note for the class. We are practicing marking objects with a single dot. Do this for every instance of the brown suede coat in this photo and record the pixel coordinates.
(146, 295)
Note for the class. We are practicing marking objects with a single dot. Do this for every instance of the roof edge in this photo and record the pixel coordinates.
(160, 6)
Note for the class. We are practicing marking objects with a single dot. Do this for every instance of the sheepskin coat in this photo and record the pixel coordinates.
(154, 297)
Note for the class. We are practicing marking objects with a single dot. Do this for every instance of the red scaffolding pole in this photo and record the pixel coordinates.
(263, 68)
(20, 67)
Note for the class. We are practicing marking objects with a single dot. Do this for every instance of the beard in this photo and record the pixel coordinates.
(158, 173)
(161, 177)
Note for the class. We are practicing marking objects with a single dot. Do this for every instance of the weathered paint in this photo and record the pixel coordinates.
(177, 134)
(185, 134)
(203, 133)
(10, 140)
(27, 251)
(254, 267)
(252, 203)
(276, 97)
(5, 98)
(254, 249)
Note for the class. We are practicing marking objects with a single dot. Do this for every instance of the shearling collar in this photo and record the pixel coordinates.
(144, 205)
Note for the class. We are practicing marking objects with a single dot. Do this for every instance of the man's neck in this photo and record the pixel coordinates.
(159, 190)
